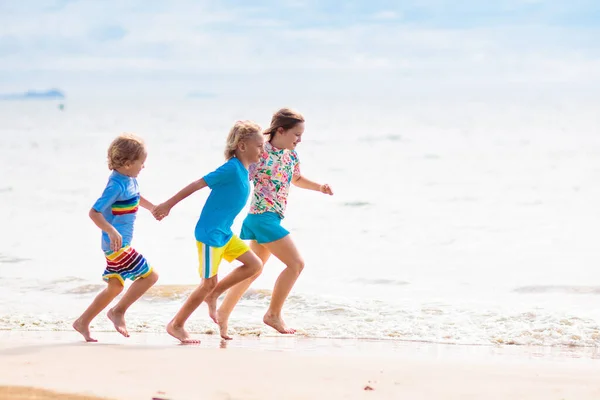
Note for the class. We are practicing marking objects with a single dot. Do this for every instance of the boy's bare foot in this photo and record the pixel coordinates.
(118, 319)
(223, 326)
(211, 301)
(84, 330)
(180, 334)
(276, 322)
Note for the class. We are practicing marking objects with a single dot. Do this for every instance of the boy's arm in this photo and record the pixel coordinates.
(146, 204)
(102, 223)
(162, 210)
(305, 183)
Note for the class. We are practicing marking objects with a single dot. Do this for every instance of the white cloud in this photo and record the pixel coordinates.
(188, 40)
(385, 15)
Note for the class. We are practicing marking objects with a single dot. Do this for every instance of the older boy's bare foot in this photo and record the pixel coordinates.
(223, 326)
(211, 301)
(276, 322)
(118, 320)
(84, 330)
(180, 334)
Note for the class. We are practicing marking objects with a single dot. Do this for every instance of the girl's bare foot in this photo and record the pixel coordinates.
(118, 320)
(180, 334)
(276, 322)
(84, 330)
(211, 301)
(223, 326)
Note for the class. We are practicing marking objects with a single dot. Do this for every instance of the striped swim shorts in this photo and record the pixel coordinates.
(125, 263)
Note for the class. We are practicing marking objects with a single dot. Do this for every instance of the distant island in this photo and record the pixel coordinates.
(52, 94)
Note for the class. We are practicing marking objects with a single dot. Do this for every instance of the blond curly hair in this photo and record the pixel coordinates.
(125, 148)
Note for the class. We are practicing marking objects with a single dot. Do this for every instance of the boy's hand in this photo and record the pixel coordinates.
(326, 189)
(116, 241)
(161, 211)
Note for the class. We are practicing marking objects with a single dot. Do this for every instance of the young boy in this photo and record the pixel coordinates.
(115, 212)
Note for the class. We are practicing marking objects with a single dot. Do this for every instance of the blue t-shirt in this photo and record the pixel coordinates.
(119, 204)
(230, 188)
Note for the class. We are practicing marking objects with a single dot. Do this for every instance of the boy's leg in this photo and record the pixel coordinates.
(236, 292)
(135, 291)
(285, 250)
(251, 266)
(102, 300)
(175, 327)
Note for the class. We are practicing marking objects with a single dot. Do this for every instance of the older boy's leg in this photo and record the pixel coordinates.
(135, 291)
(234, 294)
(102, 300)
(251, 266)
(175, 328)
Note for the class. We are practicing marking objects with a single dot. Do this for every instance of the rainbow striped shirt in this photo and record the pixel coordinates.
(119, 204)
(126, 206)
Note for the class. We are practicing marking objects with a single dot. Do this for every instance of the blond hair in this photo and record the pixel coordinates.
(125, 148)
(285, 118)
(240, 132)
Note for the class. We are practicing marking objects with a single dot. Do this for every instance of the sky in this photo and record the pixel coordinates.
(220, 47)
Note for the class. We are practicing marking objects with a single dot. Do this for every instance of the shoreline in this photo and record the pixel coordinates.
(308, 344)
(287, 367)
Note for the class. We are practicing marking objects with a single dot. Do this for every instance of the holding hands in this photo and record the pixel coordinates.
(161, 211)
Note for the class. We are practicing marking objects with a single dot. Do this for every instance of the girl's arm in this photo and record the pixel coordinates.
(162, 210)
(305, 183)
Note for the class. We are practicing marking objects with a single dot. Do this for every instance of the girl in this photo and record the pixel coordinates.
(115, 213)
(230, 188)
(278, 167)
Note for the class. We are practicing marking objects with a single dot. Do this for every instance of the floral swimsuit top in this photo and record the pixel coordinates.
(272, 177)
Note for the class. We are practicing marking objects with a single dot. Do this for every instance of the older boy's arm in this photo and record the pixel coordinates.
(305, 183)
(186, 191)
(162, 210)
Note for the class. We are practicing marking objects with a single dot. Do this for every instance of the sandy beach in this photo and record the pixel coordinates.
(153, 367)
(456, 259)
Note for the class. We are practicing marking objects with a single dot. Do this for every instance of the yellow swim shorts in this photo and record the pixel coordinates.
(210, 257)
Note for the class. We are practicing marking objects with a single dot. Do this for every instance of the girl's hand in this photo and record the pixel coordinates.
(326, 189)
(116, 241)
(161, 211)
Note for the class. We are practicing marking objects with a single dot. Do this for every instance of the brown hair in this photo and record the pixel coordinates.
(126, 147)
(241, 131)
(285, 118)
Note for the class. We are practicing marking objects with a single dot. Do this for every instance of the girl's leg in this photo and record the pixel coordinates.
(236, 292)
(135, 291)
(175, 327)
(285, 250)
(251, 265)
(102, 300)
